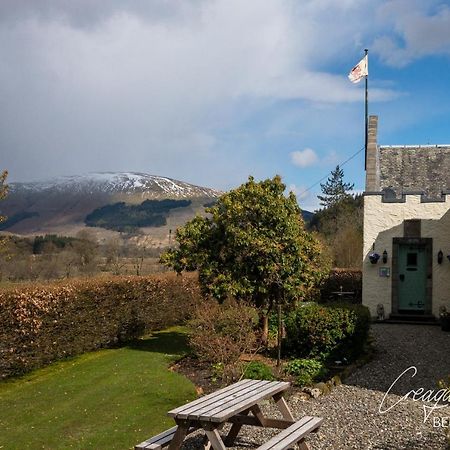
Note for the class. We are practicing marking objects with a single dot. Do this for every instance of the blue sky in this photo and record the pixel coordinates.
(211, 91)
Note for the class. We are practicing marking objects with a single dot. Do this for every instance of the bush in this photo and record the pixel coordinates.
(257, 370)
(305, 371)
(40, 324)
(355, 344)
(222, 333)
(326, 332)
(349, 279)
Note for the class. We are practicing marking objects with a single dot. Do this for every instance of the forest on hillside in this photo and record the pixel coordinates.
(127, 218)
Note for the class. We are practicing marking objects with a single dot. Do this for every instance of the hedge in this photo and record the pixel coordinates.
(41, 324)
(349, 279)
(327, 332)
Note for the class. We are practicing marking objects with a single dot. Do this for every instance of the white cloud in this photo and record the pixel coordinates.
(94, 85)
(304, 158)
(308, 157)
(421, 28)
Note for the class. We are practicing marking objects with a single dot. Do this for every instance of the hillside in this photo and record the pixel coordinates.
(61, 205)
(150, 206)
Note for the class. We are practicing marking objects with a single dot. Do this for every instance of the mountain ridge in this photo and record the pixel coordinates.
(117, 182)
(61, 205)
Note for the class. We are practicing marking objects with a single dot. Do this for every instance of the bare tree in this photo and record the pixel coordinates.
(86, 250)
(114, 256)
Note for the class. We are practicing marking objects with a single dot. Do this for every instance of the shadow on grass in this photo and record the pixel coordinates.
(169, 342)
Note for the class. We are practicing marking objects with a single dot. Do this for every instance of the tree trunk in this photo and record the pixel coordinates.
(265, 329)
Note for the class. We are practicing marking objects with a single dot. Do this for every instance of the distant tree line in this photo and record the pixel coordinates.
(55, 257)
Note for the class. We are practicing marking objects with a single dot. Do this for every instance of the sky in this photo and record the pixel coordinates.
(212, 91)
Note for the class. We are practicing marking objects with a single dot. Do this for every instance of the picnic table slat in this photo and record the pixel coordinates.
(224, 398)
(174, 412)
(159, 440)
(224, 411)
(182, 412)
(292, 434)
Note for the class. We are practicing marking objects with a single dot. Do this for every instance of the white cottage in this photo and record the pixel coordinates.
(406, 267)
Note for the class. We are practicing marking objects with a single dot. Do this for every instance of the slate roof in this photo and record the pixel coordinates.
(421, 169)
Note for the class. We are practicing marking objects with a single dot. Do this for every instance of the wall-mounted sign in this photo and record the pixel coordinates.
(384, 272)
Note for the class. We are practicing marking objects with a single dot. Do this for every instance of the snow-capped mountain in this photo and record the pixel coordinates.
(61, 205)
(128, 183)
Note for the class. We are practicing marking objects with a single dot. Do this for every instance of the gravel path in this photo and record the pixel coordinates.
(399, 347)
(351, 411)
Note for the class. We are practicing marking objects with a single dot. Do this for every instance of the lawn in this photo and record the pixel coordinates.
(109, 399)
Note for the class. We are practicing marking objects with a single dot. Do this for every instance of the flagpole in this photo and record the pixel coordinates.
(366, 113)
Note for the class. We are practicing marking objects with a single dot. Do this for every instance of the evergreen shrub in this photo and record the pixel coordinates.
(327, 332)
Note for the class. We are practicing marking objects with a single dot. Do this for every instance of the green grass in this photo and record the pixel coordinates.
(109, 399)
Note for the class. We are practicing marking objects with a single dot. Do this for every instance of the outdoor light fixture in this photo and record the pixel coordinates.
(385, 257)
(374, 257)
(440, 256)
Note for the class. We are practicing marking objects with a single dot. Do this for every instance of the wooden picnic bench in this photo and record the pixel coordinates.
(237, 404)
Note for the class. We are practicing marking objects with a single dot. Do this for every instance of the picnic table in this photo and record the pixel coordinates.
(237, 404)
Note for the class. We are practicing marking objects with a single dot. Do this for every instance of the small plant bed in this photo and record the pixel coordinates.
(309, 378)
(321, 345)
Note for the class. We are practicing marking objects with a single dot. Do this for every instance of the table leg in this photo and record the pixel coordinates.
(234, 431)
(215, 439)
(283, 407)
(206, 443)
(180, 434)
(256, 410)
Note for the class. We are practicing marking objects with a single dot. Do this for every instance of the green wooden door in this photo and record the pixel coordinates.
(412, 270)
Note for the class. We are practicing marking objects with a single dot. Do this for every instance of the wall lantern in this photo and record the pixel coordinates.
(385, 257)
(440, 256)
(374, 257)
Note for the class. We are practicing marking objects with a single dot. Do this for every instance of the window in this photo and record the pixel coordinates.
(411, 259)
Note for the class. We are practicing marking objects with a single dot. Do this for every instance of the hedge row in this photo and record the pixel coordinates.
(41, 324)
(349, 279)
(329, 332)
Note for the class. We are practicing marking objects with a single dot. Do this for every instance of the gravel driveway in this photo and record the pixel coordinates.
(351, 411)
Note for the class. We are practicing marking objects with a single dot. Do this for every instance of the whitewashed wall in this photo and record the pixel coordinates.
(384, 221)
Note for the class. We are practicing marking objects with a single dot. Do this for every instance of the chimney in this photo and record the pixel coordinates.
(372, 182)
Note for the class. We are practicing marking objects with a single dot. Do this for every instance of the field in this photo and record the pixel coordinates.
(109, 399)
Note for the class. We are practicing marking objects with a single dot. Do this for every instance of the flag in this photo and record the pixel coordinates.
(360, 71)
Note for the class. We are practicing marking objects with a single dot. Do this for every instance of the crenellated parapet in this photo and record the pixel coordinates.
(390, 196)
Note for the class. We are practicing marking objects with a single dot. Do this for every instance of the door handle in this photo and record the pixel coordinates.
(402, 277)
